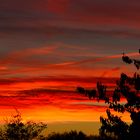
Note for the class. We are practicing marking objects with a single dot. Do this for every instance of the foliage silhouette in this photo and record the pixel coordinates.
(129, 88)
(15, 129)
(74, 135)
(90, 93)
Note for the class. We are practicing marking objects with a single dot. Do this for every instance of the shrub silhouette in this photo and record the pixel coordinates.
(129, 88)
(15, 129)
(72, 135)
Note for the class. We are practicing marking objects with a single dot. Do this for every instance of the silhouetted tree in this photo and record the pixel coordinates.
(15, 129)
(72, 135)
(128, 88)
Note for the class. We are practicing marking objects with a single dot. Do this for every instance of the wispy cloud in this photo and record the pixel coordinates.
(95, 60)
(24, 54)
(67, 67)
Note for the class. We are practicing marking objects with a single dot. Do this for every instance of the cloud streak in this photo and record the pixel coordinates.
(95, 60)
(15, 56)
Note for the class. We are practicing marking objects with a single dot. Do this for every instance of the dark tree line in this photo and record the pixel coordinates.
(128, 88)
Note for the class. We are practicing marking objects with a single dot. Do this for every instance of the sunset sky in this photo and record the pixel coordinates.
(49, 47)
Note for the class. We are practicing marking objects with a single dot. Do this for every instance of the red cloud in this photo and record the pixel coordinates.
(58, 6)
(64, 68)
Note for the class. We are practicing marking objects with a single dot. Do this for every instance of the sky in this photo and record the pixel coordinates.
(49, 47)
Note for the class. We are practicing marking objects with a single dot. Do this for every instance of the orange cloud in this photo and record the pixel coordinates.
(69, 106)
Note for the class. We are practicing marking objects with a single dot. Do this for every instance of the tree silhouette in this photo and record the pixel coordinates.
(15, 129)
(128, 88)
(72, 135)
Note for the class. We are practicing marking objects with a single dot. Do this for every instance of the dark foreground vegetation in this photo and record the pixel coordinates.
(127, 87)
(73, 135)
(112, 127)
(15, 129)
